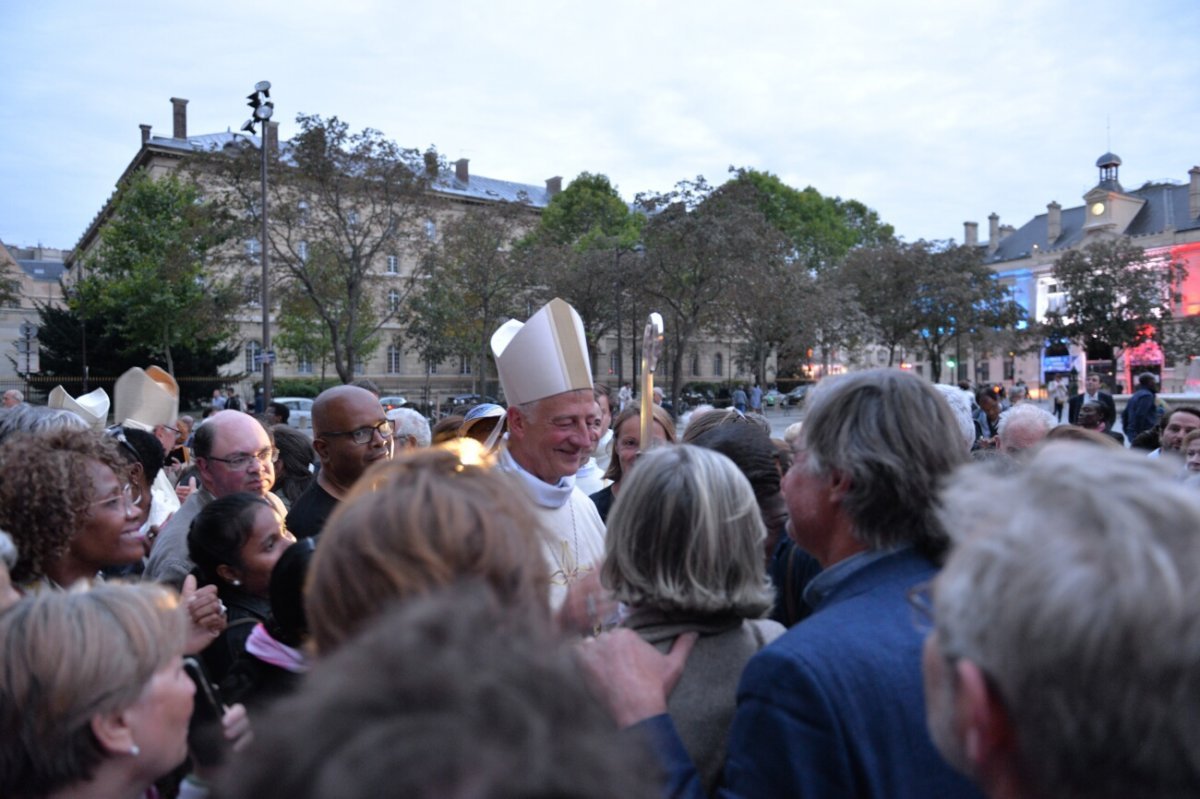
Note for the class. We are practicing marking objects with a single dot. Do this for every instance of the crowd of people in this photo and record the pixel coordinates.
(919, 592)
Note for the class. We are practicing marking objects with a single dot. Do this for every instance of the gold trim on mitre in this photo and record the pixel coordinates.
(542, 357)
(91, 407)
(146, 398)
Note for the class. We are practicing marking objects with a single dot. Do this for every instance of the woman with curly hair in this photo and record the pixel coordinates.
(66, 501)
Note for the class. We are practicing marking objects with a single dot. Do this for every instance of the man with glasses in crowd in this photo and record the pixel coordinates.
(351, 431)
(234, 453)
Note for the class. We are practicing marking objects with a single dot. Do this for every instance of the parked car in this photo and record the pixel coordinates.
(797, 394)
(461, 403)
(299, 412)
(772, 398)
(391, 403)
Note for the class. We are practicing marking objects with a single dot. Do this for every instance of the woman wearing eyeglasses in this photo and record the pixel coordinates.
(235, 542)
(66, 500)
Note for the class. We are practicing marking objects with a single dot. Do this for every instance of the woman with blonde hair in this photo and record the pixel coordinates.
(684, 553)
(424, 520)
(93, 696)
(627, 446)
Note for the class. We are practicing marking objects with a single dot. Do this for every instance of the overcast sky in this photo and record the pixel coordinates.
(930, 112)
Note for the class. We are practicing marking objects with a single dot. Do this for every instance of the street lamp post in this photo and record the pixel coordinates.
(263, 108)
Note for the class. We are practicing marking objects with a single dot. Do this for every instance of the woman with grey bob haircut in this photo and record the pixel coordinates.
(684, 552)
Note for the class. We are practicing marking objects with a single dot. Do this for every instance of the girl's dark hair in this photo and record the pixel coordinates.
(288, 625)
(296, 456)
(219, 532)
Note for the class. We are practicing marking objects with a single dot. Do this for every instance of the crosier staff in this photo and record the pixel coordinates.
(652, 341)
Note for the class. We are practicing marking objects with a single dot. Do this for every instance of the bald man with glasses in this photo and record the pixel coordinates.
(234, 453)
(351, 432)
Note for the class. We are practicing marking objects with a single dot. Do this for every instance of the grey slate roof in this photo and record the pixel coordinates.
(477, 187)
(42, 270)
(1166, 206)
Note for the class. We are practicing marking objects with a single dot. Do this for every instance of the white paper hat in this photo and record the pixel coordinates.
(91, 407)
(146, 398)
(542, 357)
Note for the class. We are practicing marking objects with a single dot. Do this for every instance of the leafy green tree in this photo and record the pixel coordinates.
(581, 250)
(698, 239)
(821, 229)
(64, 336)
(154, 278)
(1114, 294)
(342, 205)
(930, 296)
(469, 282)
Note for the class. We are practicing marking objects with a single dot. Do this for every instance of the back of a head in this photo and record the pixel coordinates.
(296, 456)
(1074, 585)
(36, 419)
(894, 437)
(288, 624)
(455, 694)
(685, 535)
(1022, 427)
(68, 657)
(421, 521)
(960, 405)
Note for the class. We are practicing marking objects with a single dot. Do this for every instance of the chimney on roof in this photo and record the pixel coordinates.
(1053, 222)
(145, 133)
(993, 232)
(180, 116)
(553, 187)
(272, 133)
(460, 170)
(1194, 192)
(971, 234)
(431, 163)
(1006, 231)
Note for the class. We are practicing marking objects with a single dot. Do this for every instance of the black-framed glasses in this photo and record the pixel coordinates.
(240, 461)
(363, 435)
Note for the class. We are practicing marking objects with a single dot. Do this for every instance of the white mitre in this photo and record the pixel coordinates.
(91, 407)
(146, 398)
(542, 357)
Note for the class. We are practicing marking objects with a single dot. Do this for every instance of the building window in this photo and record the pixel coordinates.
(251, 248)
(984, 372)
(430, 229)
(304, 365)
(718, 365)
(352, 218)
(360, 367)
(253, 350)
(1009, 368)
(393, 301)
(695, 366)
(431, 367)
(302, 213)
(252, 289)
(393, 265)
(393, 359)
(464, 365)
(302, 250)
(614, 363)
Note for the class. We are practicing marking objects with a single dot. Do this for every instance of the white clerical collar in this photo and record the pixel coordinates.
(541, 492)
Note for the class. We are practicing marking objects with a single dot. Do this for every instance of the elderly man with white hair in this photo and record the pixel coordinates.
(1022, 427)
(1064, 656)
(411, 429)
